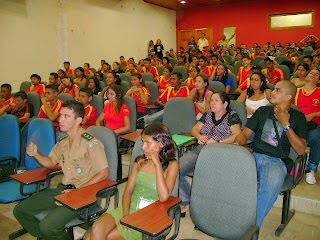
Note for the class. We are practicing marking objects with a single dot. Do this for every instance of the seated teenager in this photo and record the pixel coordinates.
(166, 62)
(307, 99)
(204, 65)
(68, 70)
(51, 105)
(182, 62)
(36, 85)
(116, 115)
(152, 178)
(257, 95)
(54, 79)
(61, 74)
(123, 61)
(21, 109)
(99, 75)
(68, 86)
(156, 61)
(110, 80)
(150, 69)
(191, 80)
(303, 70)
(165, 79)
(116, 69)
(275, 74)
(140, 93)
(277, 128)
(201, 95)
(94, 85)
(246, 83)
(245, 69)
(80, 76)
(90, 114)
(87, 70)
(6, 97)
(221, 75)
(106, 68)
(131, 68)
(175, 90)
(218, 124)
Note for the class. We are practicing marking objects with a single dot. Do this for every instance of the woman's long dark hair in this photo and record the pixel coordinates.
(119, 96)
(161, 134)
(199, 97)
(225, 76)
(263, 87)
(81, 70)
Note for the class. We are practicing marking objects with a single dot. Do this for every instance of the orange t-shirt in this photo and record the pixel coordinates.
(71, 91)
(308, 103)
(163, 83)
(7, 102)
(207, 70)
(245, 84)
(275, 76)
(69, 71)
(56, 108)
(91, 112)
(243, 74)
(112, 119)
(38, 89)
(191, 83)
(170, 93)
(89, 72)
(137, 97)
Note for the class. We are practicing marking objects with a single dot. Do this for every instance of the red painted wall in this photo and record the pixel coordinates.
(250, 20)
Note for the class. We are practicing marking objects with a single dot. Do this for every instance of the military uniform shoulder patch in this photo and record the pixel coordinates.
(63, 137)
(87, 136)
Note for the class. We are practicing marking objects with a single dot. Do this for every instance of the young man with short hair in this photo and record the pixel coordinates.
(83, 162)
(308, 101)
(66, 66)
(36, 85)
(277, 128)
(90, 116)
(123, 61)
(275, 74)
(245, 69)
(54, 79)
(150, 69)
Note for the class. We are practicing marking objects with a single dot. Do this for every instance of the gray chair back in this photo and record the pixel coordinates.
(154, 91)
(280, 59)
(147, 77)
(24, 86)
(126, 77)
(72, 76)
(131, 103)
(173, 61)
(227, 57)
(125, 86)
(262, 64)
(237, 66)
(65, 97)
(216, 86)
(183, 70)
(34, 99)
(102, 84)
(231, 68)
(257, 59)
(234, 85)
(109, 139)
(160, 70)
(137, 151)
(240, 109)
(97, 102)
(223, 200)
(179, 115)
(81, 84)
(286, 71)
(270, 86)
(308, 51)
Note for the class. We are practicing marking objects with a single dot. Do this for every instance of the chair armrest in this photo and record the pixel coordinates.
(85, 196)
(132, 137)
(35, 175)
(251, 234)
(300, 164)
(151, 106)
(153, 219)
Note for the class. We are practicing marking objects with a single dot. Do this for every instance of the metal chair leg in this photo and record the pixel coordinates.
(17, 234)
(287, 214)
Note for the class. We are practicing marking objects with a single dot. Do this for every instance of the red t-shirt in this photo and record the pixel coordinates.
(71, 91)
(275, 76)
(243, 74)
(91, 112)
(115, 120)
(89, 72)
(191, 83)
(38, 89)
(56, 108)
(262, 54)
(70, 71)
(7, 102)
(153, 70)
(137, 97)
(207, 70)
(163, 84)
(169, 93)
(245, 84)
(308, 103)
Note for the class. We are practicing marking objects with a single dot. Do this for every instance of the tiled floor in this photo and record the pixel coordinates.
(302, 226)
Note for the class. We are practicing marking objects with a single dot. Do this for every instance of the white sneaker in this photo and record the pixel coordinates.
(310, 178)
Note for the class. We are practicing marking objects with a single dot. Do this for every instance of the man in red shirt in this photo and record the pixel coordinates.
(257, 52)
(245, 69)
(90, 115)
(66, 66)
(308, 100)
(51, 105)
(151, 69)
(36, 85)
(6, 98)
(123, 61)
(275, 74)
(175, 90)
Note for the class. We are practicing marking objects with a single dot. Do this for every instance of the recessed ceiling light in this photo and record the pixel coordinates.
(183, 2)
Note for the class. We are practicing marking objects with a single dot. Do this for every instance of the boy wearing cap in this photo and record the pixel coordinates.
(275, 74)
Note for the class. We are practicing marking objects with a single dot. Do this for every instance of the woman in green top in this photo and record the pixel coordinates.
(152, 178)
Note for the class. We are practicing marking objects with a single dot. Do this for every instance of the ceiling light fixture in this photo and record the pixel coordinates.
(183, 2)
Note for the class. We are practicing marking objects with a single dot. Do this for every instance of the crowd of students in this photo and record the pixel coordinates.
(217, 123)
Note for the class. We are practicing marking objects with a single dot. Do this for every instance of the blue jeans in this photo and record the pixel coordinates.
(314, 143)
(187, 164)
(272, 172)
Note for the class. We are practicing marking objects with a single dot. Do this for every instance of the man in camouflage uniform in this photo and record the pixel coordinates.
(83, 162)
